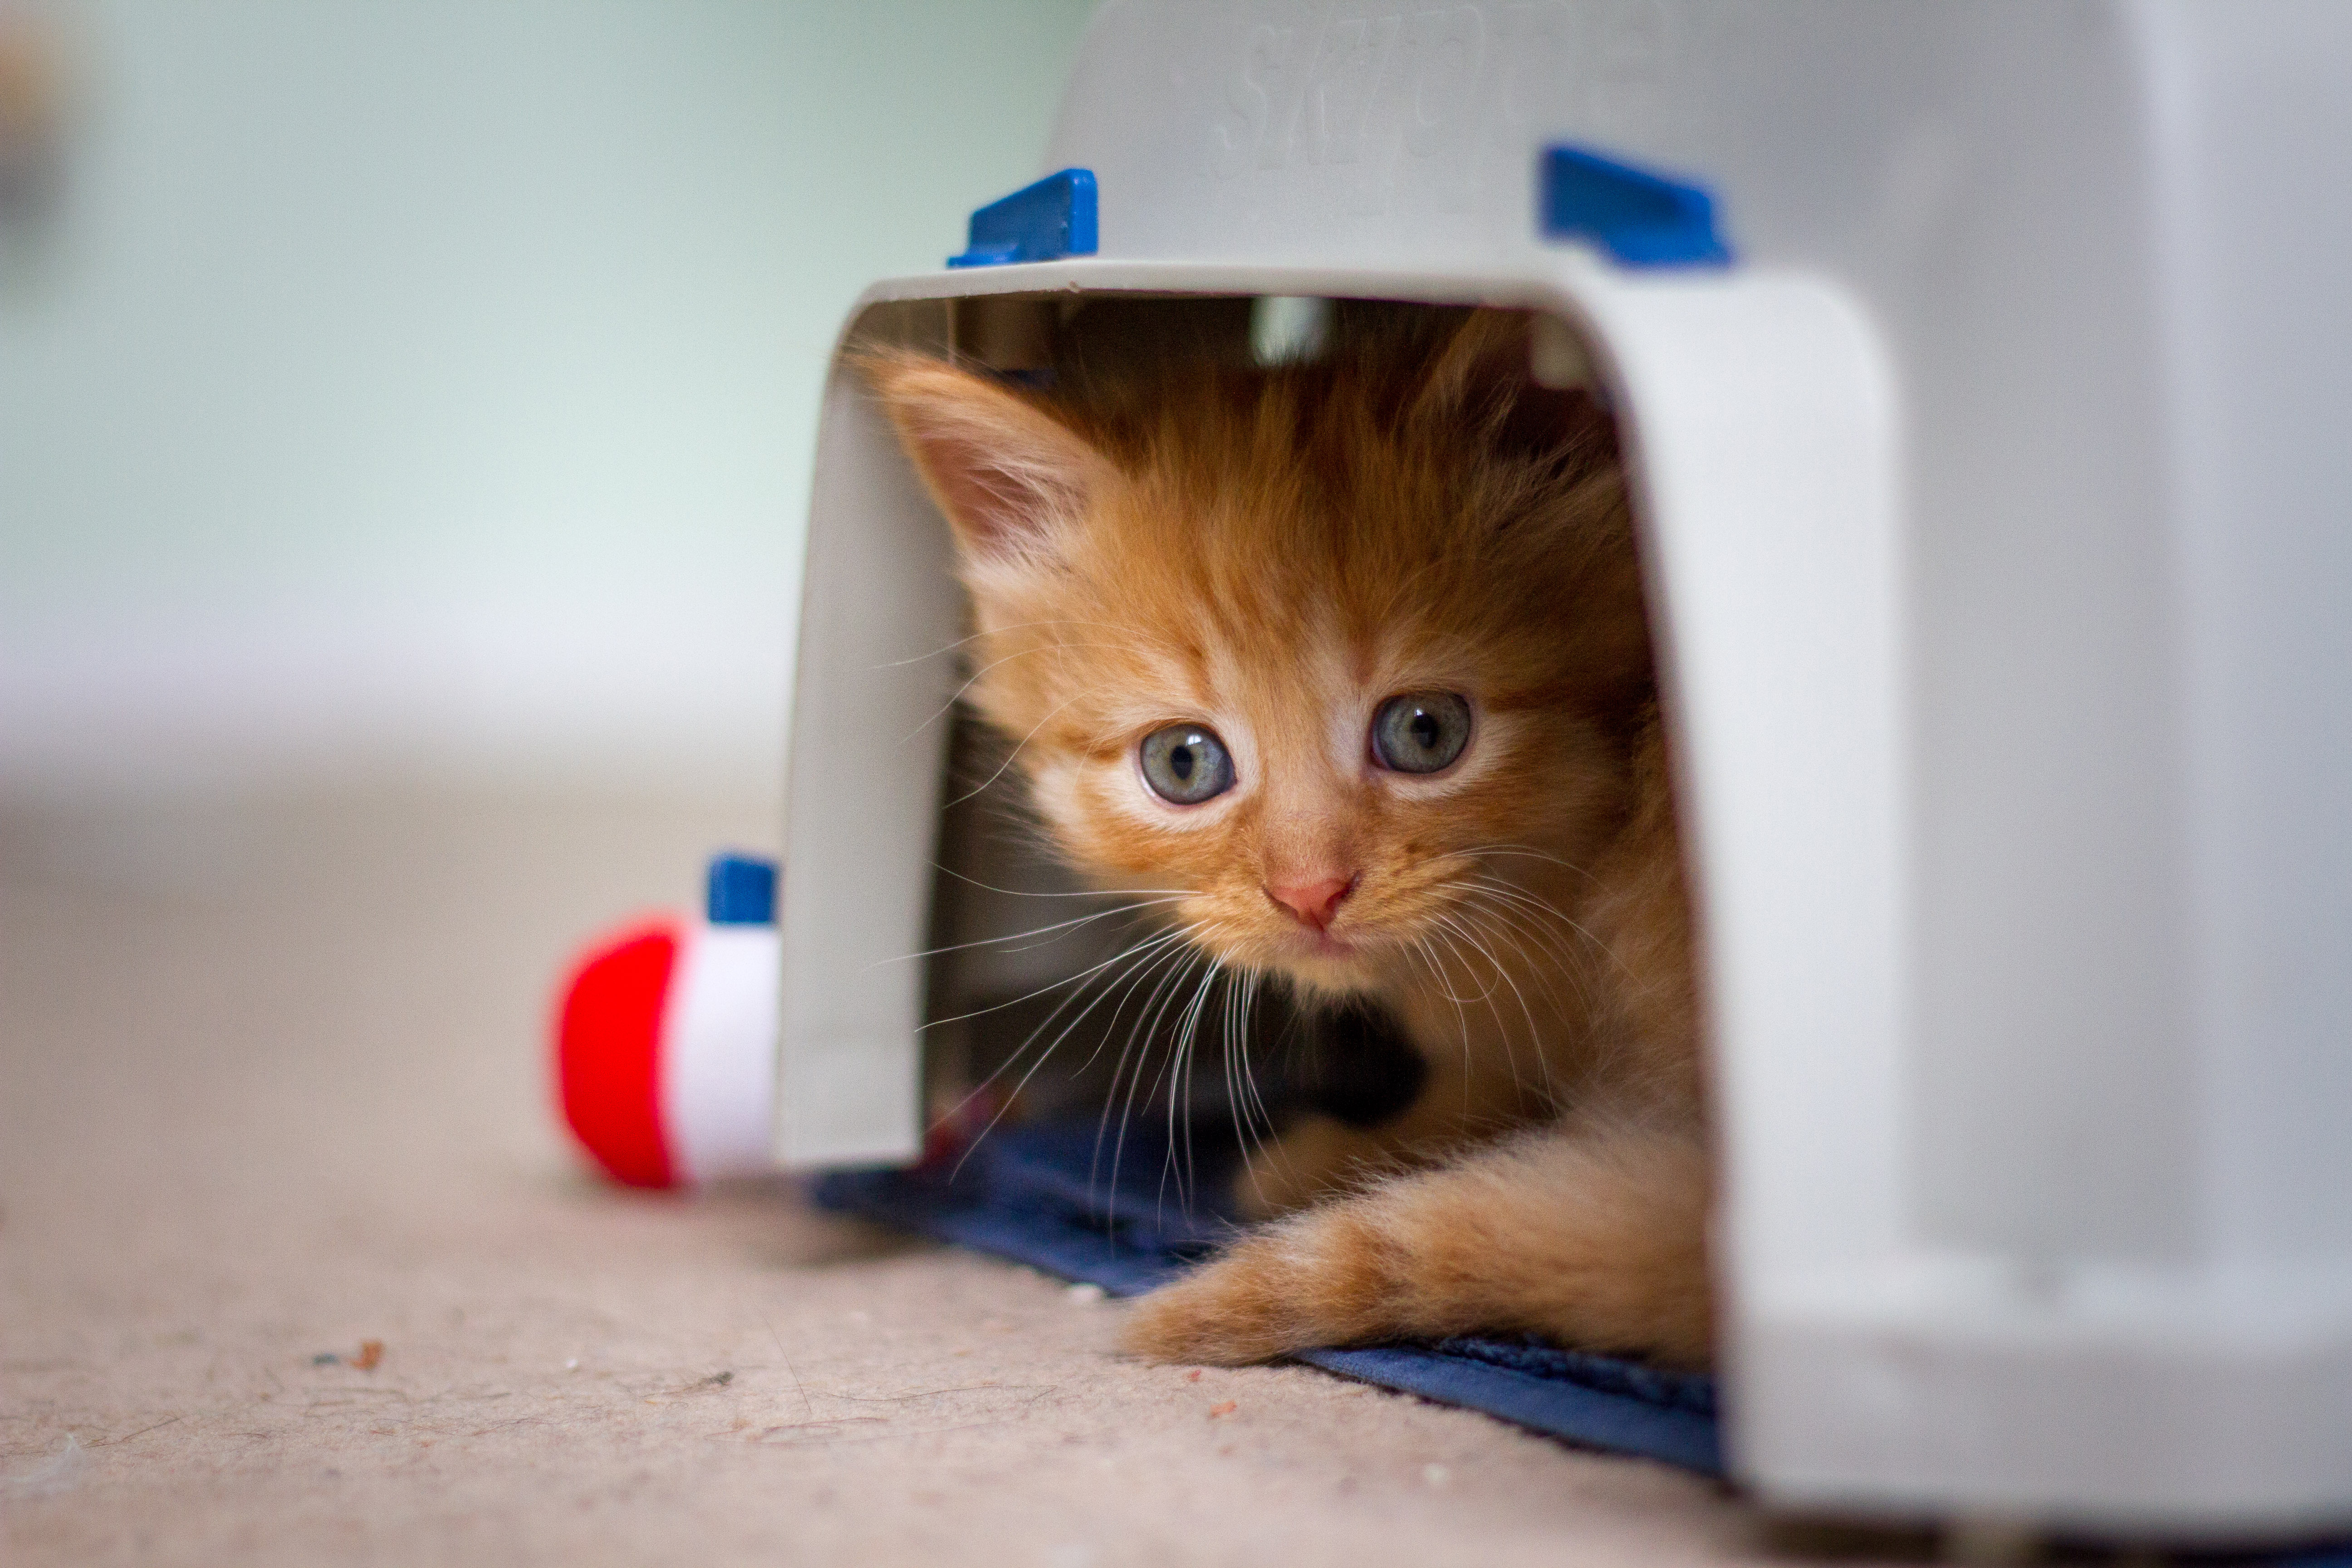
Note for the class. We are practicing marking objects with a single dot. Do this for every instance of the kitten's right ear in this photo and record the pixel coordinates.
(1009, 476)
(1484, 378)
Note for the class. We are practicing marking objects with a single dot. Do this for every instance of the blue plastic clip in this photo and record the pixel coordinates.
(1043, 222)
(1640, 219)
(743, 890)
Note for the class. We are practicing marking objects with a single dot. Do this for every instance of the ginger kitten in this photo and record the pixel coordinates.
(1353, 655)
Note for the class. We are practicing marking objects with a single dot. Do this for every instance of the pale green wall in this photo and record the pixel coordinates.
(427, 386)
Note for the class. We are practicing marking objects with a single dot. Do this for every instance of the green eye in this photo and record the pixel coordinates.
(1186, 764)
(1421, 731)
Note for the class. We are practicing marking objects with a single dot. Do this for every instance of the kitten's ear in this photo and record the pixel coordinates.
(1485, 376)
(1488, 358)
(1008, 476)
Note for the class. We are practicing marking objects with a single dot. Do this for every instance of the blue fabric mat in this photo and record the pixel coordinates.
(1044, 1195)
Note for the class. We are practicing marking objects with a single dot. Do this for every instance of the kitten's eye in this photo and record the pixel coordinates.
(1186, 764)
(1421, 731)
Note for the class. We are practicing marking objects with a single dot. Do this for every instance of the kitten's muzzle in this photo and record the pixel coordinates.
(1314, 904)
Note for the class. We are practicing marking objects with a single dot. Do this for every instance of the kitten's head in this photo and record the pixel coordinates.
(1320, 648)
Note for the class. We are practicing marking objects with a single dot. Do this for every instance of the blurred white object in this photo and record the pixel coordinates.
(719, 1096)
(1995, 496)
(665, 1038)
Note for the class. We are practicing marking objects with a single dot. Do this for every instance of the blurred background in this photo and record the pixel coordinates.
(406, 413)
(421, 396)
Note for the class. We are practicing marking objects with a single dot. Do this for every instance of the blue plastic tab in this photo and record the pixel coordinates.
(743, 890)
(1640, 219)
(1043, 222)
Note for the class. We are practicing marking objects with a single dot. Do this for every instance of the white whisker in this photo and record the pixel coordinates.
(1042, 990)
(1530, 852)
(1469, 916)
(1552, 911)
(1179, 1085)
(1011, 754)
(1023, 935)
(949, 706)
(1169, 984)
(999, 631)
(1042, 1058)
(1079, 893)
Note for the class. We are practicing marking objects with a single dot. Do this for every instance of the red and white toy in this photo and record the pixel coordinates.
(665, 1039)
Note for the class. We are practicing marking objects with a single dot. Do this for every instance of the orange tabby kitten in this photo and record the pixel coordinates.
(1353, 654)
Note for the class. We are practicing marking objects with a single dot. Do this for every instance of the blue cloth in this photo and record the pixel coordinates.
(1060, 1198)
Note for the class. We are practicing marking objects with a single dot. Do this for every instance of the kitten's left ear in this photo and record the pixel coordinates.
(1008, 475)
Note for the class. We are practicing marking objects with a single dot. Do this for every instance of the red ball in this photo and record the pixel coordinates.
(608, 1053)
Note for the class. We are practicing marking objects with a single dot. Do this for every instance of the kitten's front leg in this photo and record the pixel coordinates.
(1466, 1085)
(1594, 1237)
(1319, 1156)
(1313, 1158)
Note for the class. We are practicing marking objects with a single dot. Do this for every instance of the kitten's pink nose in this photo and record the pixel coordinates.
(1313, 902)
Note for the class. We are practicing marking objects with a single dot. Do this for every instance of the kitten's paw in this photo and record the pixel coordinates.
(1315, 1281)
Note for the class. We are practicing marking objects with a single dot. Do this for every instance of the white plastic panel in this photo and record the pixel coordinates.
(2257, 210)
(868, 744)
(1763, 439)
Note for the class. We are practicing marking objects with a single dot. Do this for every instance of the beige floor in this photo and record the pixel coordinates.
(271, 1086)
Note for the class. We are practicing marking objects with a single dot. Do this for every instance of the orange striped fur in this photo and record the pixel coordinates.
(1274, 553)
